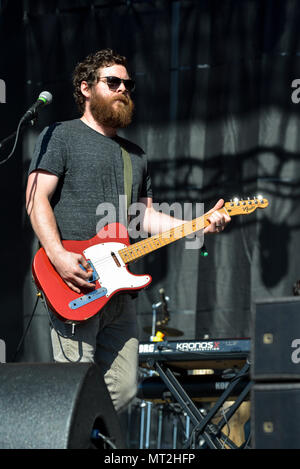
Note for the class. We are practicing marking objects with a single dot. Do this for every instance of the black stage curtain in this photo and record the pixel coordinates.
(216, 114)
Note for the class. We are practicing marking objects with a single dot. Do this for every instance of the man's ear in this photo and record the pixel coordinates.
(85, 89)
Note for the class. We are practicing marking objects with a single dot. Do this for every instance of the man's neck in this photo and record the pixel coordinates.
(90, 121)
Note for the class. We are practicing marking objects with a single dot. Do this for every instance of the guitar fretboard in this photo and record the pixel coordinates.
(141, 248)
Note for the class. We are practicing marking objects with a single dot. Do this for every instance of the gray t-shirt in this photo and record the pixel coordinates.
(91, 171)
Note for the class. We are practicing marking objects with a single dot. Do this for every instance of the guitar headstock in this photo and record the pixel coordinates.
(243, 207)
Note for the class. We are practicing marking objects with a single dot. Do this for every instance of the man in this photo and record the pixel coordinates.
(78, 165)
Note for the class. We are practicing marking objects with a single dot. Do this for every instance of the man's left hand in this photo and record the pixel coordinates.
(218, 220)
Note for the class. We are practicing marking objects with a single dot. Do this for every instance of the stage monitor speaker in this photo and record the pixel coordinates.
(55, 406)
(275, 416)
(276, 340)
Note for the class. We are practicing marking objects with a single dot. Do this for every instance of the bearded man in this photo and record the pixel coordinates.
(77, 166)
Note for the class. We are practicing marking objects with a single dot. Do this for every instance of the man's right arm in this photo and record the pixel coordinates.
(41, 186)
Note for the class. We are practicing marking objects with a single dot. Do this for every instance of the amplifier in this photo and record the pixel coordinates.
(276, 340)
(275, 415)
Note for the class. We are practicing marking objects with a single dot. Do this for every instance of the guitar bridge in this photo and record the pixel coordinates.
(88, 298)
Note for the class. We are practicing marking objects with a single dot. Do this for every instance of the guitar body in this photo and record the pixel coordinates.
(110, 275)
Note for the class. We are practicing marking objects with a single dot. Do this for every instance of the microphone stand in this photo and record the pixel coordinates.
(165, 319)
(154, 313)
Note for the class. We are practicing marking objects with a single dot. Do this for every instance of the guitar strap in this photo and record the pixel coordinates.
(127, 178)
(128, 190)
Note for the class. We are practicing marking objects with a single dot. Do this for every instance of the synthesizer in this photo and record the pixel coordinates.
(196, 354)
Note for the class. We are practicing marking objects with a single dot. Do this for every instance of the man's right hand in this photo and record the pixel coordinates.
(68, 267)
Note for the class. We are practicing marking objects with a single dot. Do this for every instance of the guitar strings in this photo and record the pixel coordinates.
(166, 237)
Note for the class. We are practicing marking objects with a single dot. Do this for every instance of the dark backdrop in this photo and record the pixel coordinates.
(214, 112)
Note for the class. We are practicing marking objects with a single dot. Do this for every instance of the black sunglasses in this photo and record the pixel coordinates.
(113, 83)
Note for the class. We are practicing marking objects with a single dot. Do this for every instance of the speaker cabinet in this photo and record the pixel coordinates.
(55, 406)
(276, 340)
(275, 416)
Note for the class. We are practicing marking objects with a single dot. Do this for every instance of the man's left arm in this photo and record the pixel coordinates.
(155, 222)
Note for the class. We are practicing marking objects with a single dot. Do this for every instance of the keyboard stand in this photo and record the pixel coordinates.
(210, 432)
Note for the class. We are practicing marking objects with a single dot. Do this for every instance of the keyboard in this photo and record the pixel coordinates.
(196, 354)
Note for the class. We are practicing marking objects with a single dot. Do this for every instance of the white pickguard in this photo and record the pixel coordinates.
(113, 276)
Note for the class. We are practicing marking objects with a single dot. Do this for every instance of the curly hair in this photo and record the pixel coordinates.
(88, 69)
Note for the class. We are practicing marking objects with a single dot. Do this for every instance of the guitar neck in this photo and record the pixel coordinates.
(141, 248)
(235, 207)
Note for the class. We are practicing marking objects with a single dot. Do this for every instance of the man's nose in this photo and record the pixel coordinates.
(121, 87)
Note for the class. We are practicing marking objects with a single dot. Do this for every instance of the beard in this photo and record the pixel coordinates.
(114, 112)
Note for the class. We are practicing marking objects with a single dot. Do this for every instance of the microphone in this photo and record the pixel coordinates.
(44, 98)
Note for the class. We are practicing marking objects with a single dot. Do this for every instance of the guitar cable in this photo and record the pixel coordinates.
(39, 296)
(25, 332)
(96, 435)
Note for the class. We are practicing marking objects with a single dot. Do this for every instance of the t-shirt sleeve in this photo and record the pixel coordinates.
(50, 152)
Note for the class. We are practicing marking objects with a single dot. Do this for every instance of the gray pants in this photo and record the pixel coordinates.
(108, 339)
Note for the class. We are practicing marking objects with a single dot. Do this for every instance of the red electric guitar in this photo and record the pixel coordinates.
(109, 254)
